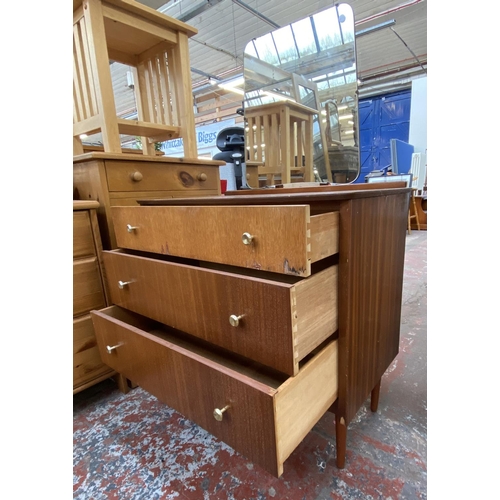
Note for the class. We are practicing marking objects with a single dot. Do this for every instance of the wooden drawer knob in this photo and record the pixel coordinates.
(202, 177)
(235, 320)
(136, 176)
(219, 414)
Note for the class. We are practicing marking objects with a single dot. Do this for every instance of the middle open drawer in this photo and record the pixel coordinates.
(276, 322)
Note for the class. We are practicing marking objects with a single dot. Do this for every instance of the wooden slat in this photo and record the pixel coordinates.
(172, 87)
(89, 126)
(285, 144)
(181, 75)
(82, 71)
(165, 89)
(88, 69)
(158, 104)
(77, 89)
(154, 131)
(122, 57)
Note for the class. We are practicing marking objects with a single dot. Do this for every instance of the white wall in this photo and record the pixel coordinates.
(418, 115)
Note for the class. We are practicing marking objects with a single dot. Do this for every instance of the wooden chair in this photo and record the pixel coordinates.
(156, 48)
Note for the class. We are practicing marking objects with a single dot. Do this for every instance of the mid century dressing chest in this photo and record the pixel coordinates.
(253, 314)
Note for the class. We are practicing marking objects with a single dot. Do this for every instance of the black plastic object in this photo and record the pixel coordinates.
(231, 142)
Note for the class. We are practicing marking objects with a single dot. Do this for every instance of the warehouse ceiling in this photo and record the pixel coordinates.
(391, 38)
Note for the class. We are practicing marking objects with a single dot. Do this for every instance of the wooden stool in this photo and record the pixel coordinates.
(413, 205)
(279, 137)
(156, 48)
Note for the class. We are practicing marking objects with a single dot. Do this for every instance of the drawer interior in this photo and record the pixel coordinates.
(197, 347)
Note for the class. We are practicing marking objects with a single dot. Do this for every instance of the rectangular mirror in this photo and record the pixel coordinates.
(301, 102)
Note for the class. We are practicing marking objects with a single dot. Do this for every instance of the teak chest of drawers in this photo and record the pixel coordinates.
(254, 314)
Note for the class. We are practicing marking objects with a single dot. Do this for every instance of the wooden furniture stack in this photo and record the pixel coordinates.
(253, 314)
(155, 46)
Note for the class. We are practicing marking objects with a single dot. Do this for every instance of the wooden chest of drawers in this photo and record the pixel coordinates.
(255, 314)
(88, 293)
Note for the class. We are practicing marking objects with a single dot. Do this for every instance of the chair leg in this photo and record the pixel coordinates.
(409, 221)
(416, 212)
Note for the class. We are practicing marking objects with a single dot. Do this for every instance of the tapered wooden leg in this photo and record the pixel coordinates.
(341, 438)
(375, 396)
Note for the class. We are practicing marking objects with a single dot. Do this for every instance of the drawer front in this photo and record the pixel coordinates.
(282, 239)
(88, 291)
(264, 418)
(141, 176)
(83, 239)
(87, 363)
(193, 385)
(274, 322)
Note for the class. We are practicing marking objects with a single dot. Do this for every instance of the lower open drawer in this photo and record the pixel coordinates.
(261, 414)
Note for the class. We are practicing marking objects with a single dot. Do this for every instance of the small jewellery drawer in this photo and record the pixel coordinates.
(143, 176)
(262, 416)
(275, 321)
(282, 239)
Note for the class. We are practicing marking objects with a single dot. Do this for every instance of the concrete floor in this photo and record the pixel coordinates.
(132, 447)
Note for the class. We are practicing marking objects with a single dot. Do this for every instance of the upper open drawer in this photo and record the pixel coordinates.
(282, 239)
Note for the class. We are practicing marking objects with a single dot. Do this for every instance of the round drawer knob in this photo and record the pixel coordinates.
(123, 284)
(110, 349)
(202, 176)
(235, 320)
(219, 414)
(131, 228)
(247, 238)
(136, 176)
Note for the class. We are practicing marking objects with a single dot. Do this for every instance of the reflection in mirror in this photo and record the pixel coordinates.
(301, 100)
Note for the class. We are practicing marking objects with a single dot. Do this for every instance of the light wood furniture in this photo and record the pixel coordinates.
(89, 292)
(155, 46)
(121, 179)
(288, 127)
(412, 211)
(254, 314)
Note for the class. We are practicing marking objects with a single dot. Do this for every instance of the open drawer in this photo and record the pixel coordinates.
(271, 320)
(282, 239)
(259, 413)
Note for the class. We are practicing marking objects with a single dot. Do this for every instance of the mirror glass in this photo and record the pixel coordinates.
(300, 103)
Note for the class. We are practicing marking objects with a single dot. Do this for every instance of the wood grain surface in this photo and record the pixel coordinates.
(193, 384)
(281, 235)
(279, 327)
